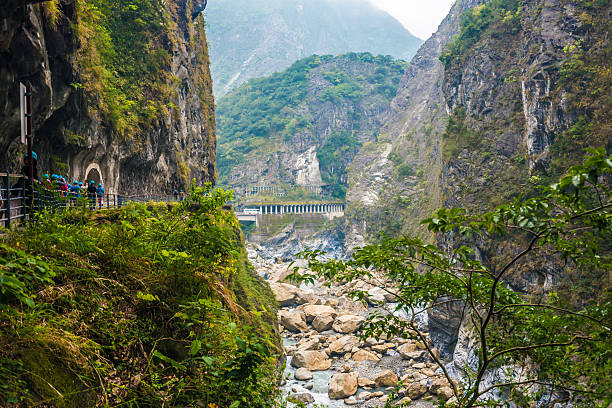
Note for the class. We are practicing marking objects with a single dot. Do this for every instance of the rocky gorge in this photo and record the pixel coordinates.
(327, 361)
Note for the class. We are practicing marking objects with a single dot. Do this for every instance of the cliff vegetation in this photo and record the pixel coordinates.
(149, 305)
(122, 87)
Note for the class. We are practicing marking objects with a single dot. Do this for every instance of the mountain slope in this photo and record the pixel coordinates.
(521, 88)
(505, 111)
(253, 38)
(302, 127)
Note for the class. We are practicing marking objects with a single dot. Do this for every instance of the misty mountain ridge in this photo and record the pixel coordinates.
(253, 38)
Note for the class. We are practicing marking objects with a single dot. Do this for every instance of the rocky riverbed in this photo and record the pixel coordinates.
(328, 364)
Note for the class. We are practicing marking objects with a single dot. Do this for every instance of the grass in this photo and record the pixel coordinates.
(148, 305)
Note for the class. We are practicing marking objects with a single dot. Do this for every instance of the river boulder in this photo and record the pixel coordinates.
(386, 378)
(342, 385)
(303, 374)
(364, 355)
(313, 311)
(312, 360)
(348, 323)
(343, 345)
(322, 323)
(293, 321)
(284, 293)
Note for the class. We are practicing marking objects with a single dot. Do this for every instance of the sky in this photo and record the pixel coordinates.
(420, 17)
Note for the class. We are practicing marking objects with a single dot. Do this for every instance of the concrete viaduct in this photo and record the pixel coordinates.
(253, 211)
(295, 208)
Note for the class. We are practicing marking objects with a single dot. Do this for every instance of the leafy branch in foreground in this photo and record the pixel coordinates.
(541, 345)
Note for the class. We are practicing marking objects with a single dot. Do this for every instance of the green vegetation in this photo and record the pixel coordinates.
(123, 61)
(283, 108)
(538, 342)
(476, 20)
(334, 157)
(149, 305)
(458, 136)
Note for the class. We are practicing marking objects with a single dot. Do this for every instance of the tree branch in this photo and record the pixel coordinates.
(559, 309)
(537, 346)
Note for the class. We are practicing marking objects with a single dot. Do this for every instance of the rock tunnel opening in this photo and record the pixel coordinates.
(94, 175)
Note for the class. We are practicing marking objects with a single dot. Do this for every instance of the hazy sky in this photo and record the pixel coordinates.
(420, 17)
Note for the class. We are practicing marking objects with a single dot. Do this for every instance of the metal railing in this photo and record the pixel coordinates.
(18, 204)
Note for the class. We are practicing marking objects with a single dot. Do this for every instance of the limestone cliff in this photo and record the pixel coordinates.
(395, 181)
(121, 93)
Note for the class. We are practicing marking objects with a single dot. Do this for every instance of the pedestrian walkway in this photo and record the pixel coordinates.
(15, 196)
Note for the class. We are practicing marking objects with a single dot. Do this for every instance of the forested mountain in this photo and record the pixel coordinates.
(303, 126)
(254, 38)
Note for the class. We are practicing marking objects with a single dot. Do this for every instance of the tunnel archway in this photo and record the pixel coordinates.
(94, 173)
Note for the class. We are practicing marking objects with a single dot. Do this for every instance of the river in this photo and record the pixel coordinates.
(340, 369)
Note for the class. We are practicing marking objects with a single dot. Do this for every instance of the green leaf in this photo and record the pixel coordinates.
(196, 346)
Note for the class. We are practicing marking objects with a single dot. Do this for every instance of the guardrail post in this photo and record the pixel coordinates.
(8, 200)
(24, 209)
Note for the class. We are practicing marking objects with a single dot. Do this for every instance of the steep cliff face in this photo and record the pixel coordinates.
(393, 183)
(122, 93)
(302, 127)
(522, 90)
(254, 38)
(498, 101)
(525, 96)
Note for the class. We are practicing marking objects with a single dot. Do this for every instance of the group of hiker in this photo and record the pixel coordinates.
(77, 189)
